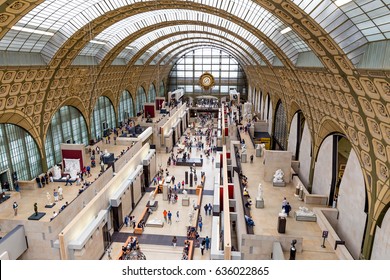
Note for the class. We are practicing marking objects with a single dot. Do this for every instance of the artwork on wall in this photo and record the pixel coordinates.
(72, 166)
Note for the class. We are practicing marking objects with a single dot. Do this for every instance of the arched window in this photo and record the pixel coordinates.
(162, 89)
(103, 118)
(152, 93)
(67, 126)
(141, 99)
(126, 106)
(225, 69)
(19, 152)
(280, 132)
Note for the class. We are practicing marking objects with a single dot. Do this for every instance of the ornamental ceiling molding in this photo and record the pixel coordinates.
(12, 11)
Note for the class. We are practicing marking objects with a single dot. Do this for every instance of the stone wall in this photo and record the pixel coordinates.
(351, 201)
(323, 168)
(260, 247)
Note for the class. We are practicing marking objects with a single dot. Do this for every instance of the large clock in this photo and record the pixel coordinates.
(206, 81)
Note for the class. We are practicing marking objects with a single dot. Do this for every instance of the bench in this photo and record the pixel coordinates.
(144, 217)
(126, 243)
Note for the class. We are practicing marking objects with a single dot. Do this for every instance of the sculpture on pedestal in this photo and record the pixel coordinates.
(56, 172)
(185, 194)
(278, 176)
(260, 192)
(243, 149)
(36, 208)
(151, 198)
(304, 211)
(48, 196)
(190, 216)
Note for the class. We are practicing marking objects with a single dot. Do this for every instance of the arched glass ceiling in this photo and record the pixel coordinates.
(245, 59)
(353, 24)
(180, 51)
(168, 51)
(45, 28)
(113, 35)
(175, 53)
(186, 30)
(63, 18)
(232, 50)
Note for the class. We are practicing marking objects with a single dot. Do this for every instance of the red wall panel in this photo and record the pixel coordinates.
(231, 191)
(221, 198)
(149, 109)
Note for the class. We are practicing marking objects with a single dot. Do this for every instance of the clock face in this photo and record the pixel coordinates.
(206, 81)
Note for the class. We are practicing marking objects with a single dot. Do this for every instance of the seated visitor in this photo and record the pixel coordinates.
(246, 193)
(248, 204)
(141, 224)
(249, 221)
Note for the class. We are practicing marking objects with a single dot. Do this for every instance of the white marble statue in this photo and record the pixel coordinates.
(185, 194)
(190, 216)
(283, 213)
(48, 196)
(303, 211)
(56, 172)
(260, 192)
(278, 176)
(243, 148)
(151, 198)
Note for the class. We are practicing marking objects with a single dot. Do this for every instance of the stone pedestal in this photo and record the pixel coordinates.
(259, 203)
(243, 158)
(278, 184)
(282, 224)
(165, 192)
(50, 205)
(153, 205)
(185, 201)
(258, 152)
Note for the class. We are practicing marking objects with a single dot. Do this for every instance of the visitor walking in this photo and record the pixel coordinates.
(207, 240)
(202, 245)
(177, 216)
(206, 209)
(55, 194)
(165, 213)
(210, 209)
(15, 207)
(169, 217)
(174, 241)
(287, 209)
(68, 180)
(200, 225)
